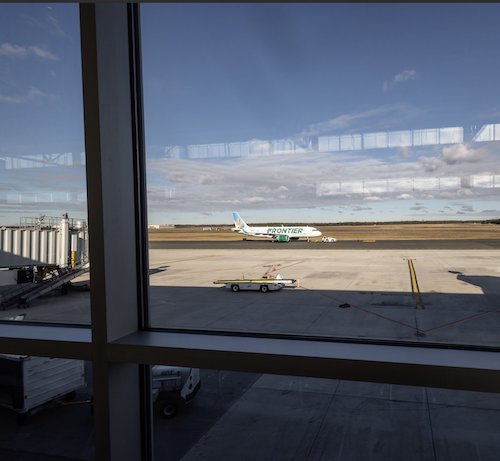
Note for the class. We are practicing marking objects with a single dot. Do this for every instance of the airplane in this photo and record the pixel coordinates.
(276, 233)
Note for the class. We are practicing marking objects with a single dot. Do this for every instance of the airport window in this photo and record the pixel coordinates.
(254, 416)
(44, 264)
(46, 408)
(313, 151)
(268, 353)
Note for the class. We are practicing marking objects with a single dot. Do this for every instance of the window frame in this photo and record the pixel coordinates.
(119, 343)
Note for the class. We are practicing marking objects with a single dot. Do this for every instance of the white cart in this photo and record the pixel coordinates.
(27, 383)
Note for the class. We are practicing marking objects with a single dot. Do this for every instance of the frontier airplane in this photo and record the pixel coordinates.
(276, 233)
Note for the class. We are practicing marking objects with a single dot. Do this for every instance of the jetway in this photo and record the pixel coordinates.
(39, 256)
(62, 242)
(24, 294)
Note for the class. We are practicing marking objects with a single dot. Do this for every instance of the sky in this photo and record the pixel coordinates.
(270, 110)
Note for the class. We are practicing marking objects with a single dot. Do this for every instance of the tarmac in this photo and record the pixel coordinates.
(365, 292)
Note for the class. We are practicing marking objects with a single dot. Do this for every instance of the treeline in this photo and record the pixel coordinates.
(347, 223)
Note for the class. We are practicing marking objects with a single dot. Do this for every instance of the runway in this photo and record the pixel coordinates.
(465, 244)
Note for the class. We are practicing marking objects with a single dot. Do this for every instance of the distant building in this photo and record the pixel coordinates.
(160, 226)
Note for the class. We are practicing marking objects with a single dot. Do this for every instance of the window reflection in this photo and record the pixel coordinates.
(45, 408)
(43, 204)
(345, 118)
(253, 416)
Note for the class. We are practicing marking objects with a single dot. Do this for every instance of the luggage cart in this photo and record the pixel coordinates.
(264, 284)
(28, 383)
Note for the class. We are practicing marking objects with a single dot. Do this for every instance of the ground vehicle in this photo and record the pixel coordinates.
(173, 386)
(27, 383)
(263, 284)
(328, 240)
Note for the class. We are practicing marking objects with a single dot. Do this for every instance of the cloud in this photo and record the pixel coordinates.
(403, 76)
(404, 153)
(14, 51)
(361, 208)
(22, 52)
(344, 121)
(42, 54)
(257, 199)
(459, 193)
(55, 28)
(49, 24)
(31, 95)
(430, 164)
(257, 182)
(418, 208)
(454, 154)
(460, 153)
(405, 197)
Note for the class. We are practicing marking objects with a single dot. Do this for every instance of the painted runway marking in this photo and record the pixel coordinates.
(414, 285)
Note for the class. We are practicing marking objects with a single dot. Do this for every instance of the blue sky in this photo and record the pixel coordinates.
(260, 75)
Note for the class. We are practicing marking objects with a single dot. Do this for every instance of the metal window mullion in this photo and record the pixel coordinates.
(115, 220)
(430, 366)
(141, 242)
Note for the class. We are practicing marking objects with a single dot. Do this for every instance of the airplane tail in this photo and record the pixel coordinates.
(239, 224)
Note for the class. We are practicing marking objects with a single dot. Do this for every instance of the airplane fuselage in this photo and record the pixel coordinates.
(277, 233)
(293, 232)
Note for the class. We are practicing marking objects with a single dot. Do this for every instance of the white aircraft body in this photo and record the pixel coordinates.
(276, 233)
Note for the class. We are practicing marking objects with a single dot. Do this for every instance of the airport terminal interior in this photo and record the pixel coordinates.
(249, 231)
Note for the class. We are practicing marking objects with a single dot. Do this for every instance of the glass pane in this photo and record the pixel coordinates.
(43, 206)
(252, 416)
(351, 148)
(45, 409)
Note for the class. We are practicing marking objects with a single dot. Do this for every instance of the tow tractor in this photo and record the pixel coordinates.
(173, 386)
(264, 284)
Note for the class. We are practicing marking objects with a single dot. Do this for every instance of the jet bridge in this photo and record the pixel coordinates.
(24, 294)
(40, 255)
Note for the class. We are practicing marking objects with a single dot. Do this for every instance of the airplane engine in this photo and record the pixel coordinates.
(282, 238)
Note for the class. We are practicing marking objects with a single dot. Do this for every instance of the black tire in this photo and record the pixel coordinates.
(235, 288)
(264, 288)
(168, 410)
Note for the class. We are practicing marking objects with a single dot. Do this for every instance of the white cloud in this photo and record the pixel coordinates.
(42, 54)
(14, 51)
(404, 152)
(256, 199)
(303, 181)
(405, 197)
(401, 77)
(22, 52)
(49, 24)
(31, 95)
(344, 121)
(55, 28)
(460, 193)
(459, 153)
(430, 164)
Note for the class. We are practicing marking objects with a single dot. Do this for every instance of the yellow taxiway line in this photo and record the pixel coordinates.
(414, 285)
